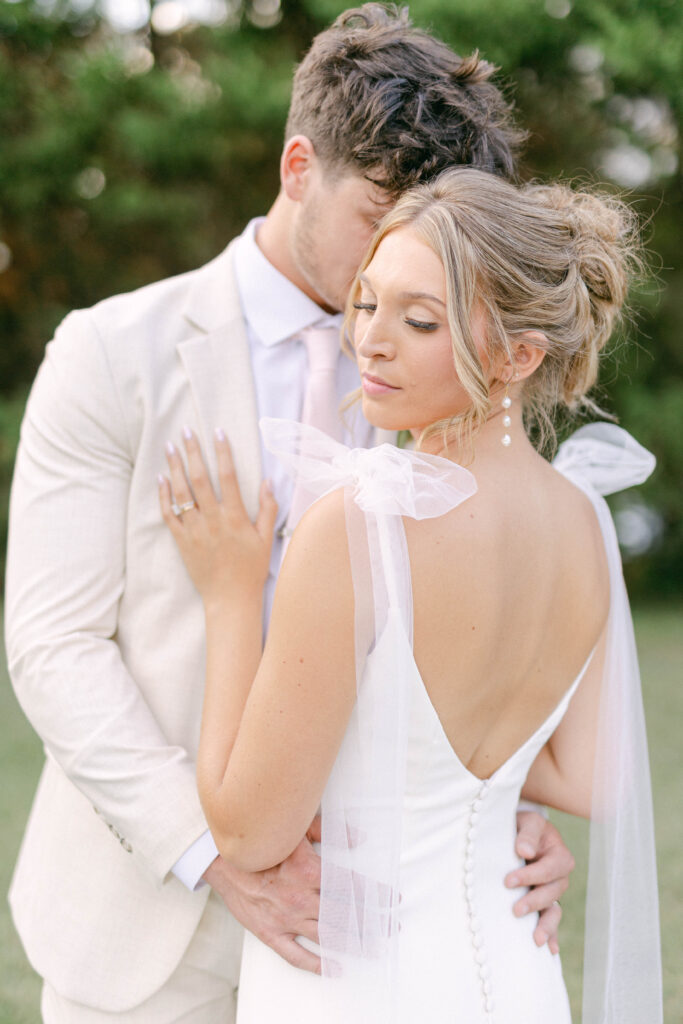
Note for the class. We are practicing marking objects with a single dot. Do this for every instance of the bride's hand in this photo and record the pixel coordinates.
(226, 555)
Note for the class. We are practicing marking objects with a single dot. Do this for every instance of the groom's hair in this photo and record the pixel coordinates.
(377, 95)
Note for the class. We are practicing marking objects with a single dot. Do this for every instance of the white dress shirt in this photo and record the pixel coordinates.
(276, 312)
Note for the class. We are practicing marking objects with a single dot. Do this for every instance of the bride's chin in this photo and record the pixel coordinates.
(383, 422)
(381, 417)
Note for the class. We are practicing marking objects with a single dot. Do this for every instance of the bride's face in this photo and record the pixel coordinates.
(402, 339)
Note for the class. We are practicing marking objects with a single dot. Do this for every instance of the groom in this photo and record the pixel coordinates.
(105, 631)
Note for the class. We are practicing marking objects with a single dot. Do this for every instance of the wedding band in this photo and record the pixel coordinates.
(556, 903)
(178, 510)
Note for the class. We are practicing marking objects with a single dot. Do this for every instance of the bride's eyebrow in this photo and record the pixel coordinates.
(405, 295)
(422, 295)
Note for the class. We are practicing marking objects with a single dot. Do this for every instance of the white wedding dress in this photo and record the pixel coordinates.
(458, 955)
(464, 956)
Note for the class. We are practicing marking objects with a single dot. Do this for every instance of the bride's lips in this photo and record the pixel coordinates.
(375, 385)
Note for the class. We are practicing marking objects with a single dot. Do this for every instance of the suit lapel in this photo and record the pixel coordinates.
(217, 362)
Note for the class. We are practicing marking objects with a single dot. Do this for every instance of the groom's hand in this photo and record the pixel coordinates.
(549, 865)
(277, 904)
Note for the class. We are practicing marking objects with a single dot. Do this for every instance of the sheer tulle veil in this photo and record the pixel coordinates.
(362, 804)
(622, 962)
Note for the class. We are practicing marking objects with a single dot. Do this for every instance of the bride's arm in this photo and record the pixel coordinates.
(562, 774)
(271, 725)
(261, 784)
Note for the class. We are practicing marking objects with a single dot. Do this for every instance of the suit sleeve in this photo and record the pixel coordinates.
(65, 577)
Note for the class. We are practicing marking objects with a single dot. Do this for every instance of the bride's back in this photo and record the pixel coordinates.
(511, 595)
(510, 588)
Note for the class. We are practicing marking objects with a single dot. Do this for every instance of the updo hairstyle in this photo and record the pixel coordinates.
(540, 258)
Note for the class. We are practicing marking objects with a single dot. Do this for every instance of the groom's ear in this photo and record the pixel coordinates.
(296, 163)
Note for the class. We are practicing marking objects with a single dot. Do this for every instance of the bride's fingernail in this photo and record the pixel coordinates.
(512, 882)
(187, 433)
(220, 434)
(170, 448)
(520, 909)
(160, 480)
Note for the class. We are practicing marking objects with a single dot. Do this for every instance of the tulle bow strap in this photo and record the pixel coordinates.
(385, 481)
(606, 457)
(362, 805)
(622, 964)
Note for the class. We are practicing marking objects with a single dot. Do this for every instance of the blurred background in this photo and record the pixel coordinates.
(137, 138)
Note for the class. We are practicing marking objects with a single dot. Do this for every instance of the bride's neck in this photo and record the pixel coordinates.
(486, 444)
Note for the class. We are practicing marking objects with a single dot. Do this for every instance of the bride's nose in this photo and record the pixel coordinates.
(373, 339)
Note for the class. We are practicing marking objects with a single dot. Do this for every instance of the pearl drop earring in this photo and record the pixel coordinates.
(506, 403)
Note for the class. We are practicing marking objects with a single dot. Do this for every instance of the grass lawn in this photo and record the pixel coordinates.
(659, 633)
(660, 641)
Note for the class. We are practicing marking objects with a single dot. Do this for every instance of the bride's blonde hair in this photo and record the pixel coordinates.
(540, 258)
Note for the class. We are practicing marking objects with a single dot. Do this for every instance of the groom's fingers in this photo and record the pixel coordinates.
(540, 874)
(548, 926)
(544, 900)
(546, 873)
(548, 859)
(541, 898)
(294, 953)
(309, 930)
(531, 831)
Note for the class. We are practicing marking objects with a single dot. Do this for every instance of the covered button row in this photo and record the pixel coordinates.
(483, 969)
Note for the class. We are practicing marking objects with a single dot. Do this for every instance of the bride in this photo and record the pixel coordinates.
(450, 630)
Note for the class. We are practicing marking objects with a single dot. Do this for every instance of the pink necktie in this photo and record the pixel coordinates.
(320, 408)
(321, 404)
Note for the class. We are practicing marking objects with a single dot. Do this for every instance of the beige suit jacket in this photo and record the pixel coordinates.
(105, 629)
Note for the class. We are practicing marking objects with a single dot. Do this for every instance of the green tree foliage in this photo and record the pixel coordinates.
(126, 156)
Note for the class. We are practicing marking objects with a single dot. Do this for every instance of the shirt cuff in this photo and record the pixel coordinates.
(526, 805)
(191, 866)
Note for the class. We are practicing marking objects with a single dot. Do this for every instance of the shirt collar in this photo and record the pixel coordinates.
(274, 308)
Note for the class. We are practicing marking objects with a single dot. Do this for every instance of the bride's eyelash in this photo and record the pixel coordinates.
(421, 325)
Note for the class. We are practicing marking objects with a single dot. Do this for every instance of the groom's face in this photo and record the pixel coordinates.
(336, 220)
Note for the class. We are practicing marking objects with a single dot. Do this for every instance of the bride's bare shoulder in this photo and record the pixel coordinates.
(526, 522)
(317, 558)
